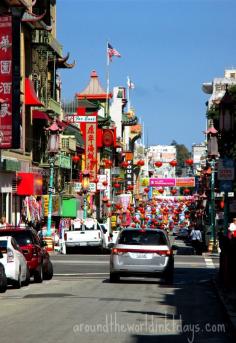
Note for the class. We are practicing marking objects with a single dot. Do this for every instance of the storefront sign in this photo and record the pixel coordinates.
(225, 169)
(78, 186)
(158, 182)
(185, 182)
(5, 82)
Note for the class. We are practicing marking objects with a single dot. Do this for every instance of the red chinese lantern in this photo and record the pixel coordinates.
(95, 180)
(161, 190)
(146, 189)
(124, 164)
(189, 161)
(116, 185)
(140, 163)
(158, 164)
(130, 187)
(108, 163)
(76, 159)
(108, 204)
(222, 204)
(173, 163)
(133, 225)
(173, 191)
(186, 191)
(105, 183)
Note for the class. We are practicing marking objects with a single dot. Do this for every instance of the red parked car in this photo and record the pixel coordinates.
(34, 250)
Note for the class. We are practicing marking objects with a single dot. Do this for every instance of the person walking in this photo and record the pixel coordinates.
(196, 240)
(232, 229)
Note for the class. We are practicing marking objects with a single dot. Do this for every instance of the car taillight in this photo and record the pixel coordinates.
(10, 255)
(65, 236)
(164, 252)
(116, 251)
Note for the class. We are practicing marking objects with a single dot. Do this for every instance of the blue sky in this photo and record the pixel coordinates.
(168, 47)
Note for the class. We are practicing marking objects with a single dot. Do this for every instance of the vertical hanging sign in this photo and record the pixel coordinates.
(5, 82)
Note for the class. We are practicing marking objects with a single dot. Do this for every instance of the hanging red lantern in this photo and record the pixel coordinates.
(173, 163)
(158, 164)
(116, 185)
(108, 163)
(161, 191)
(189, 161)
(173, 191)
(146, 189)
(222, 204)
(105, 183)
(140, 163)
(76, 159)
(108, 204)
(95, 180)
(124, 164)
(186, 191)
(130, 187)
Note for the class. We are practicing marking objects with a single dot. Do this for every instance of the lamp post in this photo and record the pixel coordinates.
(53, 132)
(85, 188)
(212, 152)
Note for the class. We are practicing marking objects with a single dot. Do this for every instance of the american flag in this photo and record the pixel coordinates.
(130, 84)
(112, 52)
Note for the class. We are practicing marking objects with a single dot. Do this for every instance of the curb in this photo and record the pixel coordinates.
(229, 314)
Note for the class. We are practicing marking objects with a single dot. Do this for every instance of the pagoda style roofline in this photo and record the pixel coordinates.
(94, 89)
(61, 62)
(35, 20)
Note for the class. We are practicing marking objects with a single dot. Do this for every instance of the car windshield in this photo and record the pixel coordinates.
(22, 237)
(142, 238)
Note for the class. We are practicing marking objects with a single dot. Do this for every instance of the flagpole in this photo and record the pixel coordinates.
(128, 95)
(108, 82)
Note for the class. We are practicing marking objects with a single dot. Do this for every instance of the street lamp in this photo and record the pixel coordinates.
(53, 132)
(212, 152)
(85, 188)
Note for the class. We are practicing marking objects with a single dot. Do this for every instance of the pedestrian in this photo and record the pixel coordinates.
(196, 240)
(232, 229)
(3, 223)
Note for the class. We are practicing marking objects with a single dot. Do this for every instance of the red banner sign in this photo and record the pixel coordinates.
(91, 149)
(5, 82)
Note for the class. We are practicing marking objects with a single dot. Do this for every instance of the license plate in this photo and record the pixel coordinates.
(141, 255)
(82, 244)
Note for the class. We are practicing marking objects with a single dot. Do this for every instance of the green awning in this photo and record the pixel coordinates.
(73, 131)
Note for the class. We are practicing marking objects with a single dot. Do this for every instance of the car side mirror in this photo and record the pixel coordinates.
(111, 245)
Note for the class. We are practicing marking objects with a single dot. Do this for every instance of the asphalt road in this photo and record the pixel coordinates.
(80, 305)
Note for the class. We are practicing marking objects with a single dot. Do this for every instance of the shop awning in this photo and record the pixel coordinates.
(40, 115)
(31, 98)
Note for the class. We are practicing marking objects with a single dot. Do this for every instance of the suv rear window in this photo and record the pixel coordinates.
(142, 238)
(22, 237)
(3, 246)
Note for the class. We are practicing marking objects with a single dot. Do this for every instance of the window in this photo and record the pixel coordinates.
(139, 237)
(21, 237)
(3, 247)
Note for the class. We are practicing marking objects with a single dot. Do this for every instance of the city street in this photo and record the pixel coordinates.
(80, 305)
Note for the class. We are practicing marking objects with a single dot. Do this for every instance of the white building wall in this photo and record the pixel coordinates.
(116, 112)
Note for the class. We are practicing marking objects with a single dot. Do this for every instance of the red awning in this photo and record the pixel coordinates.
(40, 115)
(31, 98)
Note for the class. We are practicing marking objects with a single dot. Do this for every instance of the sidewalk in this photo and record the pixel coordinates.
(228, 301)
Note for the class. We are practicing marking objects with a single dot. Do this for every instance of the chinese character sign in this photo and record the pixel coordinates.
(5, 82)
(91, 149)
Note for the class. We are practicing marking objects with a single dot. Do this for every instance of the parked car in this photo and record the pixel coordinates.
(142, 252)
(3, 278)
(16, 268)
(33, 248)
(107, 237)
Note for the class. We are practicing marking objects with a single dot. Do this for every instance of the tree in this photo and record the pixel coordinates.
(182, 154)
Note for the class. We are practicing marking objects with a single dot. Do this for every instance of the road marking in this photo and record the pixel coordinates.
(78, 274)
(79, 262)
(209, 263)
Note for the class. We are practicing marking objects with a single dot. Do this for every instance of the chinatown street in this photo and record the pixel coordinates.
(80, 305)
